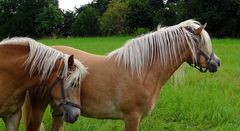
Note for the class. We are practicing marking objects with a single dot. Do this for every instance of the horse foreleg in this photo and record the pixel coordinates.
(12, 122)
(35, 120)
(57, 124)
(132, 121)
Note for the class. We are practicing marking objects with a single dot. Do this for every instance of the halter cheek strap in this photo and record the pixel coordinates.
(207, 57)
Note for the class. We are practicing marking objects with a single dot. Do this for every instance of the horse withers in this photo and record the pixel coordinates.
(26, 64)
(126, 84)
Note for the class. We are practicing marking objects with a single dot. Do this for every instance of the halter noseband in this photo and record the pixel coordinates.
(208, 59)
(63, 101)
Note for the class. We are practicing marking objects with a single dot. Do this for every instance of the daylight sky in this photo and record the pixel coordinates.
(70, 4)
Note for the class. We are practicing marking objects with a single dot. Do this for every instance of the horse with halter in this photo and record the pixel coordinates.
(126, 84)
(26, 64)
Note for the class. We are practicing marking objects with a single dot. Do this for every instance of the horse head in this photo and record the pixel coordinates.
(204, 57)
(65, 90)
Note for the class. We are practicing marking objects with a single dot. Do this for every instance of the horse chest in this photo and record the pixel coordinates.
(8, 110)
(151, 103)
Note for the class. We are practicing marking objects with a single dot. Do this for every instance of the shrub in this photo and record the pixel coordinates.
(140, 31)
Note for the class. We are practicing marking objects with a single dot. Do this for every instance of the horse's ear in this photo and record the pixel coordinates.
(199, 29)
(71, 61)
(204, 26)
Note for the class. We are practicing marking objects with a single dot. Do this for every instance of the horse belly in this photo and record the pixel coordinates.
(101, 110)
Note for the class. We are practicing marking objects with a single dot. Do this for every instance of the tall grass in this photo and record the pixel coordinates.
(203, 102)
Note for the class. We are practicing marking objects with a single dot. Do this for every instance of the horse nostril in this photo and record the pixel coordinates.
(76, 117)
(218, 62)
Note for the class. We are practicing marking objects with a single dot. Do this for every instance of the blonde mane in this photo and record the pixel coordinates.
(163, 45)
(77, 75)
(42, 59)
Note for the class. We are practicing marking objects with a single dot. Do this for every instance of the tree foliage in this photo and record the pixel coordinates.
(165, 16)
(86, 23)
(68, 20)
(36, 18)
(222, 16)
(140, 14)
(18, 17)
(100, 5)
(113, 21)
(49, 21)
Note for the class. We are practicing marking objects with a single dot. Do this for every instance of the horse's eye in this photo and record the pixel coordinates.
(72, 84)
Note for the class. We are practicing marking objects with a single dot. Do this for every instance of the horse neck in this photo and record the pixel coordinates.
(12, 59)
(12, 70)
(160, 73)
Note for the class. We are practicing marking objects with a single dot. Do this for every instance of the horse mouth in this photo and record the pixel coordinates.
(213, 68)
(70, 118)
(70, 113)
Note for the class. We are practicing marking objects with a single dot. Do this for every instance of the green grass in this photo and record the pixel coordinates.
(202, 102)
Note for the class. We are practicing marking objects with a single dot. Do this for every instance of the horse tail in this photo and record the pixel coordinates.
(27, 112)
(178, 76)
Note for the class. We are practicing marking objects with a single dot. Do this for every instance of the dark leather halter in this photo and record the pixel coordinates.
(63, 101)
(201, 52)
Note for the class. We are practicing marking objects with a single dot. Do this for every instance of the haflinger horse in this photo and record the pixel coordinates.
(26, 64)
(126, 84)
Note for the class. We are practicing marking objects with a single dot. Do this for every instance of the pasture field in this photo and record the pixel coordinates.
(202, 102)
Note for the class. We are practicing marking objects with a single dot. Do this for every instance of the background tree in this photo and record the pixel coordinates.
(139, 14)
(36, 18)
(68, 20)
(48, 22)
(166, 15)
(156, 4)
(113, 20)
(18, 17)
(6, 13)
(100, 5)
(85, 23)
(222, 15)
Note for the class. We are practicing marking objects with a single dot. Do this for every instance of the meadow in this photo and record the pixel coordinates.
(202, 101)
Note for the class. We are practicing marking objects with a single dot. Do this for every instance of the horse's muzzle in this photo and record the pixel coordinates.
(214, 65)
(71, 113)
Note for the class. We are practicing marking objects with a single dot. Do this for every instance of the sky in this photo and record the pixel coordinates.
(70, 4)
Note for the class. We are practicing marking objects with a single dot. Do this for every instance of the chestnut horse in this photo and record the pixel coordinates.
(25, 64)
(126, 84)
